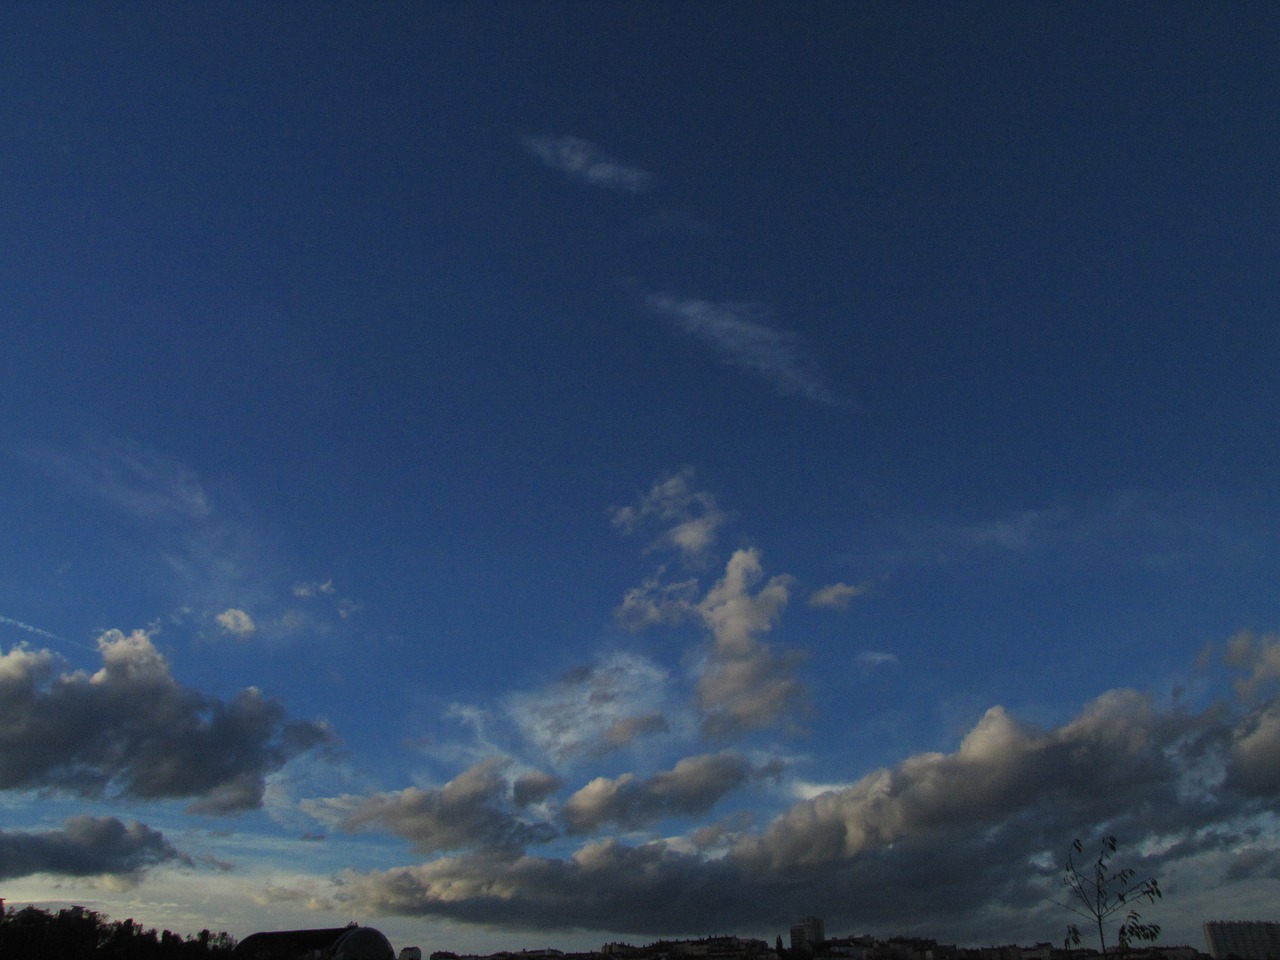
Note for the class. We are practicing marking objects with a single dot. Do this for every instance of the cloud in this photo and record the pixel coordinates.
(605, 885)
(140, 482)
(875, 658)
(1254, 767)
(212, 559)
(236, 622)
(968, 840)
(583, 160)
(742, 683)
(86, 846)
(836, 596)
(130, 730)
(624, 731)
(738, 336)
(692, 787)
(745, 684)
(295, 620)
(313, 589)
(687, 519)
(1258, 657)
(594, 710)
(1139, 529)
(654, 602)
(474, 809)
(534, 787)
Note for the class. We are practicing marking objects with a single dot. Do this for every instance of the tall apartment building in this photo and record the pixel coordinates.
(807, 934)
(1245, 939)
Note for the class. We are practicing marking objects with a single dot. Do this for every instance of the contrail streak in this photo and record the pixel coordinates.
(44, 633)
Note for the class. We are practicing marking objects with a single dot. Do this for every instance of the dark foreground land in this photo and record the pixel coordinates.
(79, 934)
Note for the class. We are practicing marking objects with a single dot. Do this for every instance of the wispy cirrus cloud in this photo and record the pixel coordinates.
(739, 336)
(582, 160)
(595, 710)
(136, 480)
(875, 658)
(210, 555)
(1137, 528)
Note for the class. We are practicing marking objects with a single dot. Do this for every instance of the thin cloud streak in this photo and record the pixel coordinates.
(875, 658)
(138, 481)
(582, 160)
(209, 557)
(743, 684)
(45, 634)
(738, 336)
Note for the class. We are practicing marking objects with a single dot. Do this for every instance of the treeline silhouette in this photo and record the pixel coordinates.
(79, 934)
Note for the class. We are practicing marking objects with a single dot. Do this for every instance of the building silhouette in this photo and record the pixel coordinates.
(807, 934)
(1244, 939)
(351, 942)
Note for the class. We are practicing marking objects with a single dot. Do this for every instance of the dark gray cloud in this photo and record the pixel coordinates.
(693, 786)
(86, 846)
(624, 731)
(131, 730)
(608, 885)
(475, 809)
(534, 787)
(967, 842)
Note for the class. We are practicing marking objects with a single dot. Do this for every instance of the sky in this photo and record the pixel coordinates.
(529, 475)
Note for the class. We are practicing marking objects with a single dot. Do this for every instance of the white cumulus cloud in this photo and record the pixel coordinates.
(836, 596)
(236, 622)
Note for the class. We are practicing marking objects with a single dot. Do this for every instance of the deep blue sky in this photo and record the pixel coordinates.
(782, 453)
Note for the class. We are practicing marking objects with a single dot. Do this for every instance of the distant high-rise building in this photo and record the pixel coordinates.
(1245, 939)
(807, 934)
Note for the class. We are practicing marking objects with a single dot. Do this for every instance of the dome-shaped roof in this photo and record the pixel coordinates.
(363, 943)
(339, 943)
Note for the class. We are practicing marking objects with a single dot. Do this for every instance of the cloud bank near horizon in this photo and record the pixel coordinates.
(970, 839)
(637, 797)
(86, 846)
